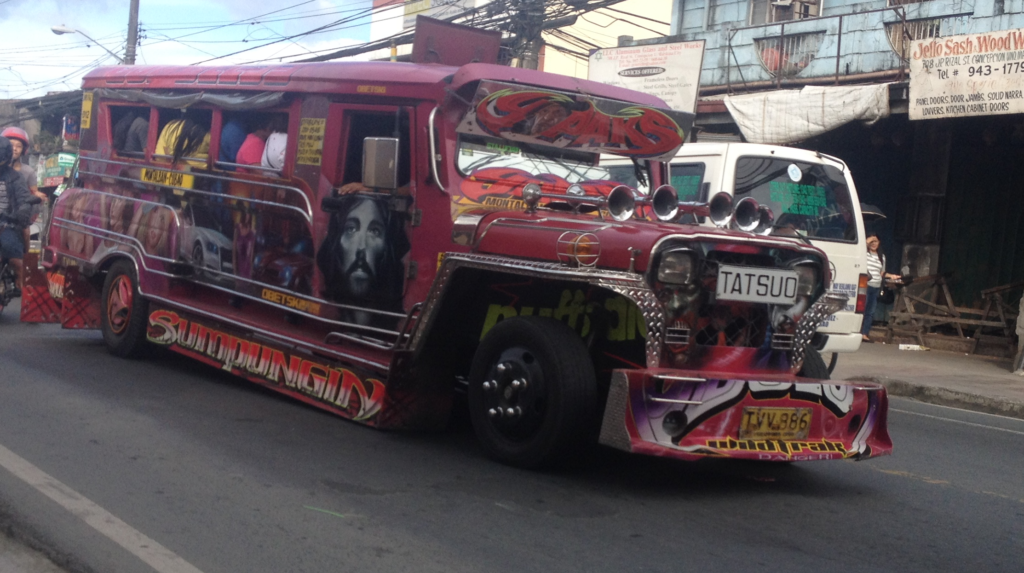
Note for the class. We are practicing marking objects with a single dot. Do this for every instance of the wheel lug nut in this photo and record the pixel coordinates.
(510, 412)
(501, 368)
(494, 412)
(490, 385)
(516, 384)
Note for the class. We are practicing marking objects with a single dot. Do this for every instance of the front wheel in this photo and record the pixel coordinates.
(532, 392)
(124, 314)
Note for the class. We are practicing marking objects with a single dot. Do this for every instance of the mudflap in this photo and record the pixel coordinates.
(37, 295)
(419, 395)
(694, 415)
(80, 305)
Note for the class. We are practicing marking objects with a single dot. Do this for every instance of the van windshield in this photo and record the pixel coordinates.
(810, 199)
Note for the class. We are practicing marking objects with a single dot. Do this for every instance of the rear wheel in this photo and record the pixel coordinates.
(532, 392)
(814, 366)
(124, 312)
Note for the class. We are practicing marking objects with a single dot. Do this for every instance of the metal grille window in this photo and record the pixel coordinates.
(769, 11)
(902, 35)
(788, 55)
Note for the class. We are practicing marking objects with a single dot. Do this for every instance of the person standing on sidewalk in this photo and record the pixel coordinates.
(876, 273)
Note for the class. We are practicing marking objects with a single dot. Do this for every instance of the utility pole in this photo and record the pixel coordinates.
(531, 16)
(133, 33)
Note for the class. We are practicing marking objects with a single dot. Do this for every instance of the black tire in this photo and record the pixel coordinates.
(124, 312)
(832, 363)
(556, 412)
(814, 366)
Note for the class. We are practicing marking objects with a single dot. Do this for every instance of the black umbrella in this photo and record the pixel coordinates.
(870, 213)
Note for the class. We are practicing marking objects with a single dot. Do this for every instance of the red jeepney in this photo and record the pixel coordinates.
(413, 231)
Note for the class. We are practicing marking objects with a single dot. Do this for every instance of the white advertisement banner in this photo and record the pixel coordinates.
(973, 74)
(669, 71)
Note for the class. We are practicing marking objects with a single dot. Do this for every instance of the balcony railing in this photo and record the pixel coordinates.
(784, 56)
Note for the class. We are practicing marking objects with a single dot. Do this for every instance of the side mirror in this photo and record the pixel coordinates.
(380, 162)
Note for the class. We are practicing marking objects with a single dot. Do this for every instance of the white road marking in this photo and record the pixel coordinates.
(929, 404)
(152, 553)
(956, 421)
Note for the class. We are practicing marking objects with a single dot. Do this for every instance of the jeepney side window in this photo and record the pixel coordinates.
(129, 130)
(363, 124)
(244, 139)
(184, 136)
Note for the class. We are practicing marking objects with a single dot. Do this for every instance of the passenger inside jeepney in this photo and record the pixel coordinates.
(185, 139)
(131, 131)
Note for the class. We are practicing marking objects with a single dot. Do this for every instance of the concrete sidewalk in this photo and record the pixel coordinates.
(972, 382)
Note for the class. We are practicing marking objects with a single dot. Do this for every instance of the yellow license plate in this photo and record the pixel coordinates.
(170, 178)
(775, 423)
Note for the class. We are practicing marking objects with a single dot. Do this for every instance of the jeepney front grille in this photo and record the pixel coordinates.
(678, 333)
(782, 341)
(742, 325)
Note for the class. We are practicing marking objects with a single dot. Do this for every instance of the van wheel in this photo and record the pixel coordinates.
(532, 392)
(814, 366)
(124, 312)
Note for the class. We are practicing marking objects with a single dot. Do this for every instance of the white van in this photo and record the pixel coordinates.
(808, 192)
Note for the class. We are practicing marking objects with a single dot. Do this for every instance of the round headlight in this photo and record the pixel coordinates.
(676, 267)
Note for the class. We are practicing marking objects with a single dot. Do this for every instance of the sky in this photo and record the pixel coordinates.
(34, 61)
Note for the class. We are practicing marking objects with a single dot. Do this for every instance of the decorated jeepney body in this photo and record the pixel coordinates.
(435, 230)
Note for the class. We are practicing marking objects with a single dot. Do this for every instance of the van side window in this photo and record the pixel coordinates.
(687, 179)
(184, 137)
(129, 130)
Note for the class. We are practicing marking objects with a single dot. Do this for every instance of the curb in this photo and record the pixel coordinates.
(947, 397)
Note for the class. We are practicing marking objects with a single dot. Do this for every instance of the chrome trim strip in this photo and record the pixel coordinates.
(759, 240)
(530, 224)
(673, 401)
(307, 214)
(431, 135)
(679, 378)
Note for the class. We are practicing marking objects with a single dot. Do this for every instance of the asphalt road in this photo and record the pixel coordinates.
(171, 466)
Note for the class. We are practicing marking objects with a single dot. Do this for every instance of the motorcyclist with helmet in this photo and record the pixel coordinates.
(19, 139)
(15, 210)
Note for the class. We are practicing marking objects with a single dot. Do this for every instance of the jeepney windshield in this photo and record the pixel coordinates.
(811, 199)
(484, 158)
